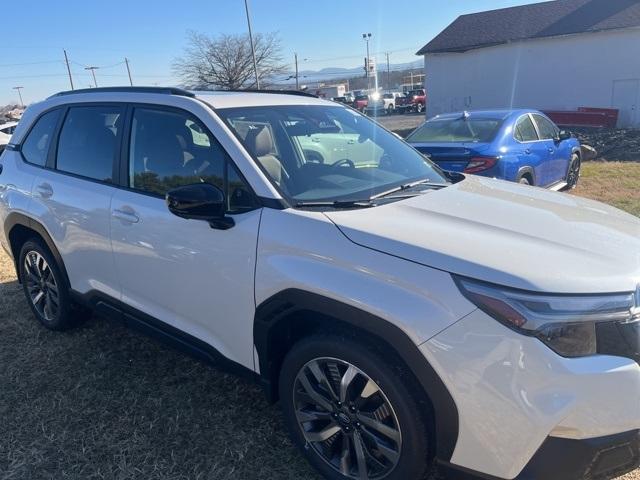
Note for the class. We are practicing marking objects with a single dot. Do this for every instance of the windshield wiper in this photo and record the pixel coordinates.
(407, 186)
(366, 203)
(370, 202)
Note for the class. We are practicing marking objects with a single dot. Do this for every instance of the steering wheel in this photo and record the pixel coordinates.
(344, 162)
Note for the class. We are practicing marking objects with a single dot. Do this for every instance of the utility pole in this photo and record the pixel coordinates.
(66, 60)
(388, 73)
(93, 72)
(411, 73)
(253, 48)
(366, 37)
(19, 95)
(126, 61)
(295, 56)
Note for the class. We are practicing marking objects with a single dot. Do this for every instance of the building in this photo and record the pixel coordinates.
(558, 55)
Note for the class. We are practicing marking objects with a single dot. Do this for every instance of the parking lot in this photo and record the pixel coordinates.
(103, 402)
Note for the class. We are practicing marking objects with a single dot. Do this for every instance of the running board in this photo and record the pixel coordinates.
(556, 187)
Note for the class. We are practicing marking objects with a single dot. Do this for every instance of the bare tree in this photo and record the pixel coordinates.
(225, 61)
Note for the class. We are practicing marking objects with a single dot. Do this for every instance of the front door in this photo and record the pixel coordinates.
(625, 98)
(184, 272)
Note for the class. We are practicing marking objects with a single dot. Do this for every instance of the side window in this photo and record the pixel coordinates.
(88, 142)
(170, 149)
(525, 131)
(36, 145)
(547, 129)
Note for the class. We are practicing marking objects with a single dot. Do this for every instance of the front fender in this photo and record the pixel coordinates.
(306, 251)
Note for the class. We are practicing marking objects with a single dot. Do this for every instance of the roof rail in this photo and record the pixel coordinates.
(298, 93)
(163, 90)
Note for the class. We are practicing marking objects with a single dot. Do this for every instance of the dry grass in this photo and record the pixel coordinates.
(102, 402)
(615, 183)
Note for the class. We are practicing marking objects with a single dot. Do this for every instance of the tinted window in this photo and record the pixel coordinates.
(454, 130)
(545, 127)
(171, 149)
(525, 131)
(36, 145)
(88, 142)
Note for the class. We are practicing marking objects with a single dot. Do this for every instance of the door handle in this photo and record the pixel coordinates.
(44, 190)
(551, 150)
(126, 214)
(527, 151)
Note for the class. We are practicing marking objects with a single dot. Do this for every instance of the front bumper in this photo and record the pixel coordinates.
(563, 459)
(515, 397)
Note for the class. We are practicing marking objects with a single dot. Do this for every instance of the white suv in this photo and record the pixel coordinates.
(403, 315)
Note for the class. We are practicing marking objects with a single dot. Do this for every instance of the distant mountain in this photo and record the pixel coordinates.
(337, 73)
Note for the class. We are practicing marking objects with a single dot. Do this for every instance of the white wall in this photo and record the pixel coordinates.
(552, 73)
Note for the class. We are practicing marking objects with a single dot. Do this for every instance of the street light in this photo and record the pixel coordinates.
(93, 72)
(366, 37)
(253, 48)
(19, 95)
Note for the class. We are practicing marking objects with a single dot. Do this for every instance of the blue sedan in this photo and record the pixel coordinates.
(522, 146)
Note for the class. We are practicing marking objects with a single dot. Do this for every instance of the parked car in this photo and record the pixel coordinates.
(382, 103)
(361, 102)
(6, 130)
(521, 146)
(340, 100)
(404, 316)
(413, 101)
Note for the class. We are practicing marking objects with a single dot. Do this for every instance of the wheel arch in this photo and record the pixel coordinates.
(292, 314)
(526, 171)
(19, 228)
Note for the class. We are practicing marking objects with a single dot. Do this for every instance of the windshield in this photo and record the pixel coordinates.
(327, 153)
(456, 130)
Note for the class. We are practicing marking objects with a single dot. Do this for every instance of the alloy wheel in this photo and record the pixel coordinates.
(41, 285)
(347, 419)
(574, 173)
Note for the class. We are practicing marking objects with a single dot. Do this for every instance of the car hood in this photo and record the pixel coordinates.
(505, 233)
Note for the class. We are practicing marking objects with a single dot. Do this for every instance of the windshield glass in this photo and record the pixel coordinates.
(326, 153)
(454, 130)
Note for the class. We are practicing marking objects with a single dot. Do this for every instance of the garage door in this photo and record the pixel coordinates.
(625, 99)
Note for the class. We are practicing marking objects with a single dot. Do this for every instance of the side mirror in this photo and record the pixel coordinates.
(564, 135)
(200, 201)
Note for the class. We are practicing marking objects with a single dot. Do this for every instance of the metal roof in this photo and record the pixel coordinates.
(538, 20)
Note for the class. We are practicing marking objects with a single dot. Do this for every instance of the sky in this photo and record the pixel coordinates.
(324, 33)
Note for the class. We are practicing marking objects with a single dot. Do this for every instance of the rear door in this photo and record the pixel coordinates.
(532, 151)
(181, 272)
(72, 194)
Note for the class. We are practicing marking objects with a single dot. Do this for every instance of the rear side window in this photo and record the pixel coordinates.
(88, 142)
(36, 145)
(525, 131)
(547, 129)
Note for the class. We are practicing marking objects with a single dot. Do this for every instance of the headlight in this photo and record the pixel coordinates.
(568, 324)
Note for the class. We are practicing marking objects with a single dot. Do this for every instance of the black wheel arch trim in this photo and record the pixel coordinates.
(280, 306)
(522, 171)
(19, 219)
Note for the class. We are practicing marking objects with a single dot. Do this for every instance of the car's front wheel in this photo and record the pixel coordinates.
(352, 413)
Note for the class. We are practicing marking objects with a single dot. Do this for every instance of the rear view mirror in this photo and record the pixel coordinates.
(200, 201)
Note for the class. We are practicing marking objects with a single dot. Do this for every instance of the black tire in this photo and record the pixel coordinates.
(62, 313)
(573, 174)
(410, 457)
(390, 110)
(524, 181)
